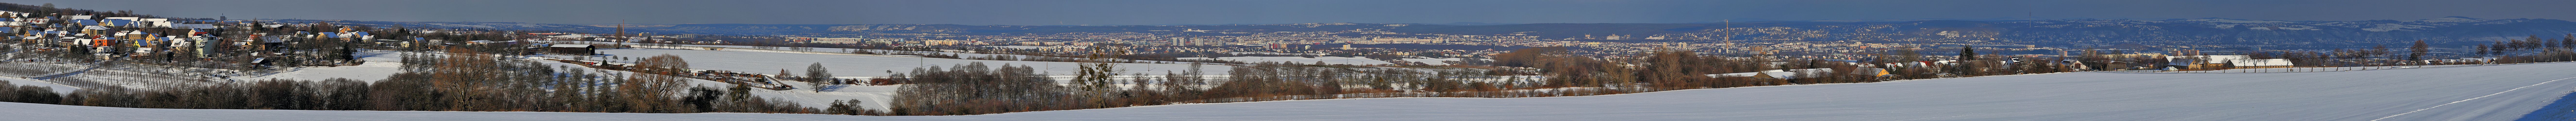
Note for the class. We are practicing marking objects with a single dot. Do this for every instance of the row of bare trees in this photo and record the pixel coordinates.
(461, 80)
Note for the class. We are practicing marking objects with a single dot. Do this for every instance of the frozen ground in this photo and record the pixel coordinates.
(2463, 93)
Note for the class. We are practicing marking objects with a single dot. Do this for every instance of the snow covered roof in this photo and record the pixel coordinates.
(120, 22)
(2478, 59)
(193, 26)
(2188, 60)
(1724, 75)
(2259, 62)
(570, 45)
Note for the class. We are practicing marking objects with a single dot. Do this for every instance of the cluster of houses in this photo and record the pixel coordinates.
(111, 37)
(2221, 62)
(106, 36)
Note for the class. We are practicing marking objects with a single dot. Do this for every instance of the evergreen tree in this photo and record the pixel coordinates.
(1967, 53)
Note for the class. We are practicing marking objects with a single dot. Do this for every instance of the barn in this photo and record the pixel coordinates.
(2259, 63)
(575, 49)
(2202, 62)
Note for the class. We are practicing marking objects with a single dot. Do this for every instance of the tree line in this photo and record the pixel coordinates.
(460, 80)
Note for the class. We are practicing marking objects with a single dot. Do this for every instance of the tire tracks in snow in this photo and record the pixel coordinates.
(2466, 100)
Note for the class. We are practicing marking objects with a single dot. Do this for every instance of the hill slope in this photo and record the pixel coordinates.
(2463, 93)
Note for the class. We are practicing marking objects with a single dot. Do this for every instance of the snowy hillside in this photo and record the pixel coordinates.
(2462, 93)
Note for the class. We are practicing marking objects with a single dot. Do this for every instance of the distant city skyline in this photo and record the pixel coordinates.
(1158, 12)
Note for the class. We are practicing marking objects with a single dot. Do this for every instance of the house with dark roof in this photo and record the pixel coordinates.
(575, 49)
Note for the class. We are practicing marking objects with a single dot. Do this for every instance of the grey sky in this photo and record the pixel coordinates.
(1134, 12)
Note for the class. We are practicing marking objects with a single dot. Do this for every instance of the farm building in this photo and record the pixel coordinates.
(575, 49)
(2258, 63)
(2202, 62)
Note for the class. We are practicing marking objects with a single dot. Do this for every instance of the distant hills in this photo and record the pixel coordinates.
(2200, 30)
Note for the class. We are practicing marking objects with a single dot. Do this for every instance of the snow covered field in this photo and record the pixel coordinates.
(1439, 61)
(2463, 93)
(380, 64)
(863, 65)
(29, 82)
(2315, 69)
(958, 53)
(1300, 60)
